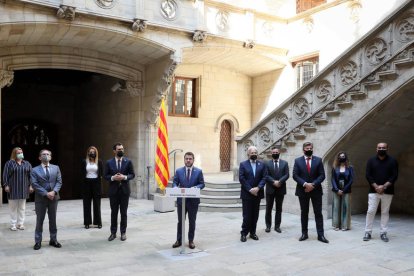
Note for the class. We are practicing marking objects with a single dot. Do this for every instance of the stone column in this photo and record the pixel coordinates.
(6, 79)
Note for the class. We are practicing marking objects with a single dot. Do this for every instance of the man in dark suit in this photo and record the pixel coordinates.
(46, 181)
(252, 174)
(187, 177)
(118, 171)
(278, 173)
(308, 172)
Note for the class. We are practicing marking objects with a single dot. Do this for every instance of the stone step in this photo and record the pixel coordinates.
(220, 199)
(237, 207)
(221, 192)
(223, 185)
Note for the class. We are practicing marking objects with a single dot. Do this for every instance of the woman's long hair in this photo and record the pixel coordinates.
(336, 161)
(13, 155)
(87, 154)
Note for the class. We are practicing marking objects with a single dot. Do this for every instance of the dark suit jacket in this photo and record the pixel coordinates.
(282, 175)
(349, 178)
(126, 169)
(196, 180)
(41, 184)
(248, 180)
(301, 175)
(100, 168)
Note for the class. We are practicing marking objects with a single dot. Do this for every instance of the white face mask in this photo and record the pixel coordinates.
(20, 156)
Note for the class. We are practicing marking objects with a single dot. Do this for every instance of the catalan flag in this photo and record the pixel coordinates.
(162, 169)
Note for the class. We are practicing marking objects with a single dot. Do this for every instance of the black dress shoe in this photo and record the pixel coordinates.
(254, 237)
(367, 236)
(267, 229)
(123, 237)
(37, 246)
(99, 226)
(176, 244)
(112, 237)
(243, 238)
(303, 237)
(55, 244)
(322, 239)
(277, 229)
(191, 245)
(86, 226)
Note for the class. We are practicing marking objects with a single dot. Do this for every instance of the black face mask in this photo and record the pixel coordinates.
(92, 155)
(342, 159)
(253, 157)
(275, 155)
(119, 153)
(382, 153)
(308, 153)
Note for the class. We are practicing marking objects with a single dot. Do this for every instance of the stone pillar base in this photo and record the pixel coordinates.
(163, 203)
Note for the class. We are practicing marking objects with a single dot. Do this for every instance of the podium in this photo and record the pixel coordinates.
(183, 193)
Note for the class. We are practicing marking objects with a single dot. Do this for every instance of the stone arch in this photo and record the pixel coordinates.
(229, 117)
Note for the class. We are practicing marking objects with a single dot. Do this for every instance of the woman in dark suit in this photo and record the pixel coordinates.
(92, 171)
(342, 178)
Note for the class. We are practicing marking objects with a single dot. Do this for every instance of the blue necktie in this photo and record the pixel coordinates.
(254, 168)
(47, 173)
(119, 165)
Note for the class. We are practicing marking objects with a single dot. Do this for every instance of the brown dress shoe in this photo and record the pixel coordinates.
(176, 244)
(191, 245)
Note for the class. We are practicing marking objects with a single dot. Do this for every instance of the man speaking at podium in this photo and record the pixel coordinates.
(188, 177)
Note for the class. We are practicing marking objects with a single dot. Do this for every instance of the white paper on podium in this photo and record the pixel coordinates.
(182, 192)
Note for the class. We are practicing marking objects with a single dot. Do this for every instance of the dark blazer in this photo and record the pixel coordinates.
(248, 181)
(349, 178)
(282, 175)
(100, 168)
(301, 175)
(126, 169)
(42, 185)
(196, 180)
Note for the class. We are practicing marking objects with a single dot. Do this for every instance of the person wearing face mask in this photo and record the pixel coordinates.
(252, 175)
(17, 185)
(381, 174)
(92, 171)
(278, 173)
(46, 181)
(342, 178)
(308, 172)
(118, 172)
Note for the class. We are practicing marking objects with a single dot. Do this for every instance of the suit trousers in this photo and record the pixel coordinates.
(92, 192)
(119, 201)
(278, 200)
(316, 199)
(42, 205)
(373, 202)
(17, 211)
(191, 209)
(251, 208)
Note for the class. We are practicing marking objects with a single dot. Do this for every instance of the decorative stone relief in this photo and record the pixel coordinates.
(66, 12)
(282, 122)
(348, 73)
(264, 137)
(376, 51)
(6, 78)
(385, 67)
(169, 9)
(405, 28)
(301, 108)
(247, 144)
(105, 4)
(402, 55)
(249, 44)
(324, 91)
(222, 21)
(139, 25)
(134, 88)
(199, 36)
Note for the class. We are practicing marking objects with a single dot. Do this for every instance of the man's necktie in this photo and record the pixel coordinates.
(188, 175)
(276, 167)
(254, 168)
(119, 165)
(308, 164)
(47, 172)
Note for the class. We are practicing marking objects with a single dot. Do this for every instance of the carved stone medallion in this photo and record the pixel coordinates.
(105, 4)
(264, 137)
(282, 123)
(222, 21)
(169, 9)
(301, 108)
(405, 28)
(376, 51)
(324, 91)
(348, 72)
(247, 144)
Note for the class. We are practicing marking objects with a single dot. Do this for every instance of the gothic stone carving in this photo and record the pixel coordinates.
(66, 12)
(282, 122)
(376, 51)
(247, 144)
(264, 137)
(222, 21)
(139, 25)
(169, 9)
(199, 36)
(405, 28)
(324, 91)
(6, 78)
(301, 108)
(348, 73)
(106, 4)
(134, 88)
